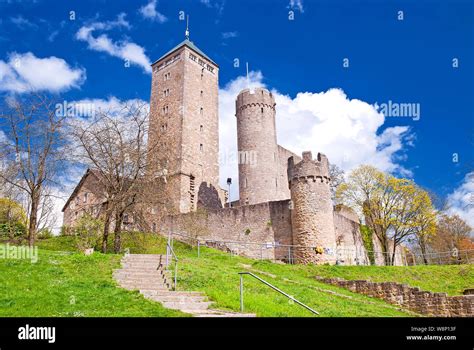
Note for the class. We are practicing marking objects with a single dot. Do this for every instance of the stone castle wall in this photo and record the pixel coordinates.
(414, 299)
(350, 247)
(250, 230)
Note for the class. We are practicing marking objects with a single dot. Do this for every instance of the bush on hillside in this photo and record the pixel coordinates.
(88, 231)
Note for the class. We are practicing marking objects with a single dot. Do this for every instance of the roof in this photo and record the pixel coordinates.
(79, 185)
(189, 44)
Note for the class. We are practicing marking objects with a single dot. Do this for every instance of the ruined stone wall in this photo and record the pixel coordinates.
(251, 230)
(414, 299)
(350, 246)
(379, 256)
(312, 210)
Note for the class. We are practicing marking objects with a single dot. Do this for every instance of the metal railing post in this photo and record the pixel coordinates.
(241, 293)
(175, 273)
(168, 249)
(272, 287)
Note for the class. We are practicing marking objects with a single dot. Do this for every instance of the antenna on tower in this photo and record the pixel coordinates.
(186, 33)
(248, 80)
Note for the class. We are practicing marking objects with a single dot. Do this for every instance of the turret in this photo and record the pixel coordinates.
(257, 146)
(312, 210)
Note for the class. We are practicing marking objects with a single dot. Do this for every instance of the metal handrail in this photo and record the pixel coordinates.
(271, 286)
(169, 249)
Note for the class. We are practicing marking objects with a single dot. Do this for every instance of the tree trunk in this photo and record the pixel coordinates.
(105, 235)
(423, 252)
(33, 222)
(117, 231)
(386, 252)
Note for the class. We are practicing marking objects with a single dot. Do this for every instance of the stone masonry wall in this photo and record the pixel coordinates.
(250, 230)
(350, 247)
(414, 299)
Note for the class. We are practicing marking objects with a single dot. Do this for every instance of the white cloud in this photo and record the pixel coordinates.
(26, 72)
(22, 22)
(296, 5)
(228, 35)
(346, 130)
(124, 49)
(461, 200)
(150, 12)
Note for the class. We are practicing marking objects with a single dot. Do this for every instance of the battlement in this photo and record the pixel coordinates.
(258, 97)
(309, 168)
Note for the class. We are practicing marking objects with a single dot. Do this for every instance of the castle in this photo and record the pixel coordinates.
(284, 211)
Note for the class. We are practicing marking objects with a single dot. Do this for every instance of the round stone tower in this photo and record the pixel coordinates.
(312, 210)
(257, 146)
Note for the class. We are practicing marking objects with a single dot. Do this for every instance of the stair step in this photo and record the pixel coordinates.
(150, 275)
(176, 299)
(169, 292)
(204, 305)
(141, 286)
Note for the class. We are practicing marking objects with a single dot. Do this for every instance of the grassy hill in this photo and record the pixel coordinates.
(47, 287)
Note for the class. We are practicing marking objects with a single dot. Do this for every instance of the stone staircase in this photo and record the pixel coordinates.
(146, 273)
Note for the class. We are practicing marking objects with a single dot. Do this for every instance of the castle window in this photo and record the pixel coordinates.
(201, 148)
(262, 109)
(201, 128)
(165, 110)
(85, 197)
(167, 76)
(125, 219)
(166, 92)
(191, 190)
(245, 182)
(201, 111)
(202, 92)
(153, 227)
(276, 183)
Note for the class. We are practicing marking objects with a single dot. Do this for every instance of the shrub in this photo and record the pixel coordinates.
(88, 231)
(44, 234)
(367, 237)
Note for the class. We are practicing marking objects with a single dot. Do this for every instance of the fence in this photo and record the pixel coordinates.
(342, 256)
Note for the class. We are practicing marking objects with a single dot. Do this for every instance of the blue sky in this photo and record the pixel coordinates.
(403, 61)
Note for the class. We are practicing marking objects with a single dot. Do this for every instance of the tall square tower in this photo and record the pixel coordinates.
(184, 129)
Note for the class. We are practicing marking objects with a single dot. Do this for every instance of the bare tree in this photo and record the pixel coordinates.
(32, 151)
(114, 144)
(337, 178)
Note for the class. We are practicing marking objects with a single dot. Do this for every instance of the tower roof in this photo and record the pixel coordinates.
(189, 44)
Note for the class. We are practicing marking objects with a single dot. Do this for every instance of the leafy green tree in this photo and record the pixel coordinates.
(394, 209)
(12, 219)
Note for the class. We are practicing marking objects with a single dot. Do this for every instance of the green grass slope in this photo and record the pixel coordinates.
(62, 284)
(215, 273)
